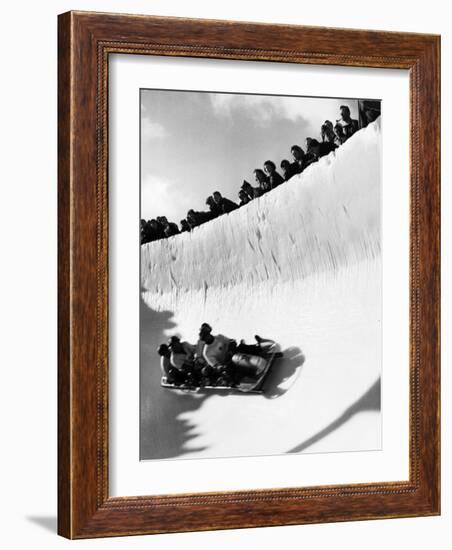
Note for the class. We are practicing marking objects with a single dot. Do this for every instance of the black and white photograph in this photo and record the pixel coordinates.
(261, 282)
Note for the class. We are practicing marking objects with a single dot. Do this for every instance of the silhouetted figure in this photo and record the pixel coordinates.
(346, 126)
(192, 219)
(369, 110)
(215, 209)
(225, 205)
(184, 225)
(262, 179)
(169, 228)
(274, 178)
(319, 150)
(309, 156)
(143, 224)
(197, 218)
(328, 133)
(157, 228)
(244, 197)
(252, 192)
(144, 232)
(289, 169)
(299, 158)
(151, 231)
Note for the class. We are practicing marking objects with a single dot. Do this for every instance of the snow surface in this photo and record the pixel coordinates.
(301, 265)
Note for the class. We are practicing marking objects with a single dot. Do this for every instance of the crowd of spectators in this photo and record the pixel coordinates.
(332, 136)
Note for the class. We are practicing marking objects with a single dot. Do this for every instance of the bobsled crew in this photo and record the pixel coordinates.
(216, 362)
(332, 136)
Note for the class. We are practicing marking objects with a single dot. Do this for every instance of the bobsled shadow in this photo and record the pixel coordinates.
(370, 401)
(283, 369)
(163, 434)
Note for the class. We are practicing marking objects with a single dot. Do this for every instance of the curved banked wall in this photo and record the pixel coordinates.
(321, 220)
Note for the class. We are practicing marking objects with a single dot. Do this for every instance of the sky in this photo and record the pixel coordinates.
(195, 143)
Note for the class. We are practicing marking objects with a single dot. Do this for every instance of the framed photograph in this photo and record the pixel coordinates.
(248, 284)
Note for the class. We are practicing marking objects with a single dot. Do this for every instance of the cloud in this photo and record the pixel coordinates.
(152, 130)
(261, 109)
(264, 111)
(164, 197)
(155, 196)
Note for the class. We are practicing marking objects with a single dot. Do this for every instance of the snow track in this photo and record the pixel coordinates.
(300, 265)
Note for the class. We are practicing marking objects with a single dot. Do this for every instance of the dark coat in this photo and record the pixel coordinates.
(275, 179)
(349, 129)
(309, 159)
(198, 218)
(325, 148)
(252, 192)
(299, 165)
(171, 229)
(227, 205)
(149, 233)
(215, 210)
(294, 168)
(245, 200)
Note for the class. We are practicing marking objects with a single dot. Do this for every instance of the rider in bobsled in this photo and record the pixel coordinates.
(224, 359)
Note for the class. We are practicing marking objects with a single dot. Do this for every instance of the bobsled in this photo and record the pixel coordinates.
(261, 363)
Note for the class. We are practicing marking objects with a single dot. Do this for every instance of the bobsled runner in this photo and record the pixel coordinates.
(261, 363)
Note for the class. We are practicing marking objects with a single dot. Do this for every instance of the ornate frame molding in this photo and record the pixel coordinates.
(85, 42)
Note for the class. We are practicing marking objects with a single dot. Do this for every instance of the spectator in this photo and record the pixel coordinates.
(144, 232)
(192, 219)
(215, 209)
(262, 179)
(369, 110)
(318, 150)
(328, 133)
(310, 156)
(252, 192)
(169, 228)
(225, 205)
(339, 131)
(197, 218)
(153, 231)
(244, 197)
(289, 169)
(348, 125)
(269, 178)
(184, 226)
(143, 224)
(274, 177)
(299, 158)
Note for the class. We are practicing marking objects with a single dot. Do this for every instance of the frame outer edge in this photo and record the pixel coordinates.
(81, 510)
(426, 235)
(64, 278)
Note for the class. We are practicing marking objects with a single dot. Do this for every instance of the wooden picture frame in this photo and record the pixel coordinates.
(85, 42)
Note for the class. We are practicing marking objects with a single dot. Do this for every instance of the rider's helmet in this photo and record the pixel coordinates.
(173, 340)
(163, 349)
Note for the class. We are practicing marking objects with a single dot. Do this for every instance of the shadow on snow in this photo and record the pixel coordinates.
(370, 401)
(282, 370)
(162, 433)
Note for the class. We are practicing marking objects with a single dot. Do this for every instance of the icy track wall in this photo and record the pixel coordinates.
(322, 220)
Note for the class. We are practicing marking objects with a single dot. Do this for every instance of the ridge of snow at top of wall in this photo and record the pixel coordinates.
(326, 218)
